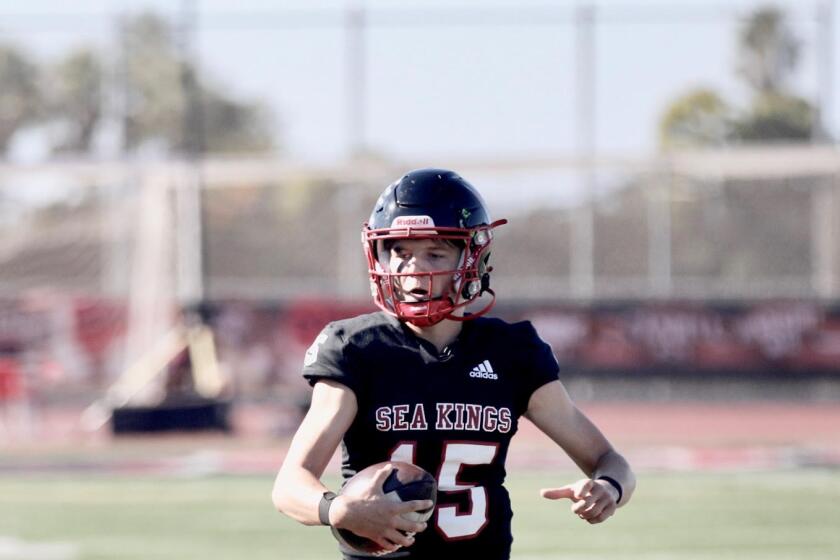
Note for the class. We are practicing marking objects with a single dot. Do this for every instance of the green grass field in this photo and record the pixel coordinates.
(780, 515)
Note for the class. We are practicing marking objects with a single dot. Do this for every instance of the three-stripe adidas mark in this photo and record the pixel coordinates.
(484, 371)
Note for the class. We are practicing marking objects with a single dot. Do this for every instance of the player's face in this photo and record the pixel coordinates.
(419, 256)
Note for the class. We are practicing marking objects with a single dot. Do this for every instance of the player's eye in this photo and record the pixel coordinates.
(400, 252)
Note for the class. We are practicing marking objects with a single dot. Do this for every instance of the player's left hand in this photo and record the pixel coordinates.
(592, 500)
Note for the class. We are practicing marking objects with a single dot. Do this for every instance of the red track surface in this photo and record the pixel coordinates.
(732, 423)
(673, 435)
(693, 435)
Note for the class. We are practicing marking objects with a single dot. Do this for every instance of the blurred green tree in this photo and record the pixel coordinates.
(153, 90)
(74, 100)
(167, 103)
(768, 55)
(768, 52)
(776, 117)
(699, 117)
(155, 104)
(20, 100)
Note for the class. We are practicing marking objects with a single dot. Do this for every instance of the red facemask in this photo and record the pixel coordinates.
(469, 281)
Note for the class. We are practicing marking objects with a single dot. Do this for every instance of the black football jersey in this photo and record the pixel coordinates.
(452, 413)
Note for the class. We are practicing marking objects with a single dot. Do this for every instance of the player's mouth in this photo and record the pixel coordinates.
(417, 295)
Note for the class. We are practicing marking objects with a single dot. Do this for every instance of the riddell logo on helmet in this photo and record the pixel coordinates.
(412, 221)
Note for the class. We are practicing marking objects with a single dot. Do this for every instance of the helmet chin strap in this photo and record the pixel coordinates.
(478, 313)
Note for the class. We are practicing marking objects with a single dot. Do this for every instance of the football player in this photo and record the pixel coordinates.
(425, 381)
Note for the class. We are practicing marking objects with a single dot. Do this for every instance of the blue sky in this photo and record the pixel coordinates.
(455, 90)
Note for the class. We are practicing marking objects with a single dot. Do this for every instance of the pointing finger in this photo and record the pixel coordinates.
(564, 492)
(575, 491)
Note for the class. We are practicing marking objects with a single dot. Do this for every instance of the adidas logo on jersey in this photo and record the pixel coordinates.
(483, 371)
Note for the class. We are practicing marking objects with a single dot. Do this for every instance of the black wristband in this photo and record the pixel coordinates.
(324, 507)
(614, 483)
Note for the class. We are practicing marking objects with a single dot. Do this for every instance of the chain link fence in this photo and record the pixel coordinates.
(98, 261)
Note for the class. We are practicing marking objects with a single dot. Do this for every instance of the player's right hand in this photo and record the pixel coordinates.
(368, 513)
(592, 500)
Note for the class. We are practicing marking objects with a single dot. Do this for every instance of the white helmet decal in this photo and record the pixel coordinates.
(412, 221)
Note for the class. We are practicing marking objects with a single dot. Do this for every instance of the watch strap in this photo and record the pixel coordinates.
(324, 507)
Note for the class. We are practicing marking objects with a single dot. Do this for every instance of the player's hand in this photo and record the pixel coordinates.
(592, 500)
(368, 513)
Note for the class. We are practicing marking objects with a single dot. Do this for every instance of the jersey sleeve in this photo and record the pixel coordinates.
(540, 364)
(327, 358)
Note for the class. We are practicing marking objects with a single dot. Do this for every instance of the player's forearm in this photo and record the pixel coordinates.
(614, 466)
(297, 493)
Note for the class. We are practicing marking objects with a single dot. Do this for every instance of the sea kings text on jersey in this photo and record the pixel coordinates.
(445, 417)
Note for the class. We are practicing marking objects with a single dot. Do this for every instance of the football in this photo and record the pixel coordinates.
(405, 482)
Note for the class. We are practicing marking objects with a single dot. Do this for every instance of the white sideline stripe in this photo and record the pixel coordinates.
(16, 549)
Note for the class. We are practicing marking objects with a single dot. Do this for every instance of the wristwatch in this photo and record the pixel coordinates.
(324, 507)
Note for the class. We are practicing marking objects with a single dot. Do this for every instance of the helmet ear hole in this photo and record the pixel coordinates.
(476, 285)
(471, 289)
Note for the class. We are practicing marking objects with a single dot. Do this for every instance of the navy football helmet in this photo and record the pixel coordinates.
(431, 204)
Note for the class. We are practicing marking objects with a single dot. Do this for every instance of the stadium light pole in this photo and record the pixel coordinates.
(355, 78)
(112, 144)
(659, 232)
(825, 53)
(191, 246)
(824, 232)
(825, 195)
(582, 232)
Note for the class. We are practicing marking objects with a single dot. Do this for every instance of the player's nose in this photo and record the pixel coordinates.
(416, 279)
(414, 265)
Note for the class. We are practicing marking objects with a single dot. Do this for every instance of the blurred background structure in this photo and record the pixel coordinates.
(670, 172)
(182, 187)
